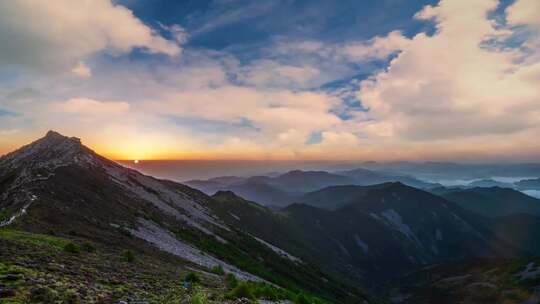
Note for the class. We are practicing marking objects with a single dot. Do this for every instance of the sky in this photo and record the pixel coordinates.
(276, 79)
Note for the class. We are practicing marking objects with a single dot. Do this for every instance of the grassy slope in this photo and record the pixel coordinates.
(36, 268)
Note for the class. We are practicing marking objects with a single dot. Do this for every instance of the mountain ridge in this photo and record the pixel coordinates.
(76, 194)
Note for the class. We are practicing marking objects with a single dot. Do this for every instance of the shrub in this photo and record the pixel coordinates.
(301, 299)
(192, 278)
(231, 281)
(266, 292)
(88, 247)
(218, 270)
(71, 248)
(243, 290)
(71, 297)
(199, 298)
(129, 256)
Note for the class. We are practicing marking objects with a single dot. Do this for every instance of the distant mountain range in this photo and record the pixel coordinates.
(449, 170)
(285, 189)
(528, 184)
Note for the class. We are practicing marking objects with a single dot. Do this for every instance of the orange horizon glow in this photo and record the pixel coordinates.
(148, 148)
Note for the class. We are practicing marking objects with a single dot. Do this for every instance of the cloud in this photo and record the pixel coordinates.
(451, 85)
(82, 70)
(376, 48)
(373, 49)
(469, 88)
(58, 34)
(85, 106)
(525, 12)
(271, 73)
(272, 111)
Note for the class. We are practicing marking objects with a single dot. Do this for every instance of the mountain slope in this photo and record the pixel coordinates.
(367, 234)
(493, 201)
(365, 177)
(58, 186)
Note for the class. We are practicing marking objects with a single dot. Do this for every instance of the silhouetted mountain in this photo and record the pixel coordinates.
(366, 177)
(285, 189)
(528, 184)
(448, 170)
(305, 181)
(488, 183)
(492, 202)
(280, 190)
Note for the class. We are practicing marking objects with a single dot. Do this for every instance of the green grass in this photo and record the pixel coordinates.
(32, 238)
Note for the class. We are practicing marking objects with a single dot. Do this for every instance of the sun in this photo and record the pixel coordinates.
(136, 161)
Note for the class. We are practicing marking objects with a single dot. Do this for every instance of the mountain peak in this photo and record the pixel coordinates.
(52, 134)
(56, 137)
(52, 150)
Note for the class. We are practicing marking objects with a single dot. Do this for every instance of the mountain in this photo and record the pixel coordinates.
(491, 202)
(284, 189)
(58, 196)
(254, 188)
(366, 177)
(367, 234)
(298, 181)
(489, 183)
(280, 190)
(520, 230)
(528, 184)
(455, 171)
(479, 281)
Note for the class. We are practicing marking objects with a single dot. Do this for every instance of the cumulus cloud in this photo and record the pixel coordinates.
(58, 34)
(451, 85)
(525, 12)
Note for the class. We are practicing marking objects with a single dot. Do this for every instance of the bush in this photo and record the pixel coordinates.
(129, 256)
(218, 270)
(231, 281)
(192, 278)
(199, 298)
(267, 292)
(243, 290)
(71, 297)
(88, 247)
(71, 248)
(301, 299)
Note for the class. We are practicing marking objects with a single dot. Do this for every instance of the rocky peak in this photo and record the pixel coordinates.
(52, 150)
